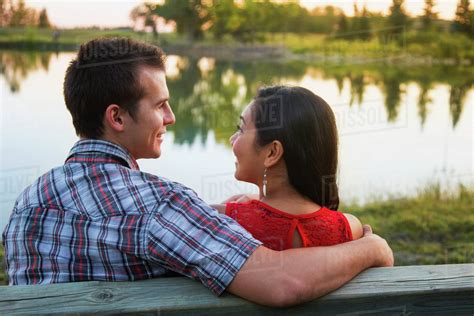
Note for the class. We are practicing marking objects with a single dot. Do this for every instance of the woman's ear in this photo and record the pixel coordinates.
(274, 152)
(114, 118)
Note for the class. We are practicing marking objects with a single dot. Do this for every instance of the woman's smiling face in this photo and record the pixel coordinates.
(249, 164)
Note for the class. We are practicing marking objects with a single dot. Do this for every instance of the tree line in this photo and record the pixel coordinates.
(248, 20)
(17, 14)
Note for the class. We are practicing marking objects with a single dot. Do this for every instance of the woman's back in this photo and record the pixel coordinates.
(279, 230)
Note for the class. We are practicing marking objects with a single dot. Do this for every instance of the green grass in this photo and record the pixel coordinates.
(413, 43)
(328, 45)
(35, 38)
(434, 227)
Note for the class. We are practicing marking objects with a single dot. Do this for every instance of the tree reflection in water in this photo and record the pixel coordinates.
(214, 101)
(15, 66)
(210, 95)
(457, 100)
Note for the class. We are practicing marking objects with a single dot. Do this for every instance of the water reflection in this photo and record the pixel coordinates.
(392, 78)
(208, 95)
(213, 100)
(15, 66)
(424, 100)
(457, 99)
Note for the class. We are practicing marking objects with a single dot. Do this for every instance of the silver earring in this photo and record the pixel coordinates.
(265, 183)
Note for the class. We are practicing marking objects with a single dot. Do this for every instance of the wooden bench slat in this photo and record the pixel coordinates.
(421, 289)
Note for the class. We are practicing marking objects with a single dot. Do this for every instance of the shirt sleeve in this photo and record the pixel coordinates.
(188, 236)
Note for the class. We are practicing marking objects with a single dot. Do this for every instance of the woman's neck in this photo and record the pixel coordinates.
(281, 195)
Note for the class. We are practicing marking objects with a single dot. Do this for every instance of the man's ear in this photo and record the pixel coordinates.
(274, 153)
(114, 118)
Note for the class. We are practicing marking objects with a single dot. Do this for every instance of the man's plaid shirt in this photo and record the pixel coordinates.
(98, 217)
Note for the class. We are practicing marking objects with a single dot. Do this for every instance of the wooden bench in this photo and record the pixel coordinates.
(410, 290)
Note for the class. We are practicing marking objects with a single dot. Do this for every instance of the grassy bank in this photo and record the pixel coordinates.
(42, 39)
(434, 227)
(451, 47)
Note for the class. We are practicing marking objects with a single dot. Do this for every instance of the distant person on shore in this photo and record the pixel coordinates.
(98, 217)
(55, 35)
(286, 144)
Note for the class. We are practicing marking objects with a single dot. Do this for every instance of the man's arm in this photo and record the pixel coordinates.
(284, 278)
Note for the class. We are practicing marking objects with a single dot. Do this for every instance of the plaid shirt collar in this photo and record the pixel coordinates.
(100, 151)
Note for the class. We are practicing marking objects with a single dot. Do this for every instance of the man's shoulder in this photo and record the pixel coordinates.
(164, 184)
(77, 188)
(32, 195)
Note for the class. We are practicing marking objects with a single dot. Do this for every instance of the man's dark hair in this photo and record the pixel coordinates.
(105, 72)
(305, 125)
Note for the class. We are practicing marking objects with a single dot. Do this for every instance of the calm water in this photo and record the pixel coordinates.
(401, 127)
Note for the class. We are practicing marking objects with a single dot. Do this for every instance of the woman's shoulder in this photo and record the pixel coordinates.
(355, 225)
(333, 218)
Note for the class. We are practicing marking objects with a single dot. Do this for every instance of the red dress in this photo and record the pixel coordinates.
(275, 228)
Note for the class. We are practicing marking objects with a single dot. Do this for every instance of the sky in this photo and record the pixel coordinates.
(74, 13)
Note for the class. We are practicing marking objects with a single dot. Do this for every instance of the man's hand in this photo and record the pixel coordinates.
(240, 198)
(384, 255)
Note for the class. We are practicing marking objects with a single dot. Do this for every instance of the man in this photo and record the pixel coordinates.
(98, 217)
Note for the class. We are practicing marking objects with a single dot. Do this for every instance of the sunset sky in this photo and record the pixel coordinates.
(111, 13)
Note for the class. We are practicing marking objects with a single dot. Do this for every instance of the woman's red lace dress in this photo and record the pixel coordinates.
(275, 228)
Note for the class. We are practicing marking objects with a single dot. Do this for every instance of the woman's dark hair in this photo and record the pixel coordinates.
(105, 72)
(305, 125)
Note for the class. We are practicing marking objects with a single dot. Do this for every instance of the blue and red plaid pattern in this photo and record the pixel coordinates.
(98, 217)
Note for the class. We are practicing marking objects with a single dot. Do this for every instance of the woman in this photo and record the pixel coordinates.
(286, 144)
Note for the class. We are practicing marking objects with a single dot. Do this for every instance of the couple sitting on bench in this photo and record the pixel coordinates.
(98, 217)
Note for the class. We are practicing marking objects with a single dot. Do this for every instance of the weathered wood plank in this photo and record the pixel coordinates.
(429, 290)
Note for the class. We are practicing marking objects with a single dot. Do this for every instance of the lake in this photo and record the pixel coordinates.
(401, 126)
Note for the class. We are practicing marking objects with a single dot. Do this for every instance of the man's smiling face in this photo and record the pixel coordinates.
(143, 134)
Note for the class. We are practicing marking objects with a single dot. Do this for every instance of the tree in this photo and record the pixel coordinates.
(342, 27)
(5, 12)
(22, 16)
(250, 21)
(429, 14)
(360, 27)
(324, 20)
(397, 18)
(145, 14)
(135, 14)
(365, 31)
(43, 20)
(225, 19)
(355, 24)
(463, 18)
(190, 16)
(19, 14)
(274, 14)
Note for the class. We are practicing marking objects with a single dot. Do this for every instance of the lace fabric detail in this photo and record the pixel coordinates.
(275, 228)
